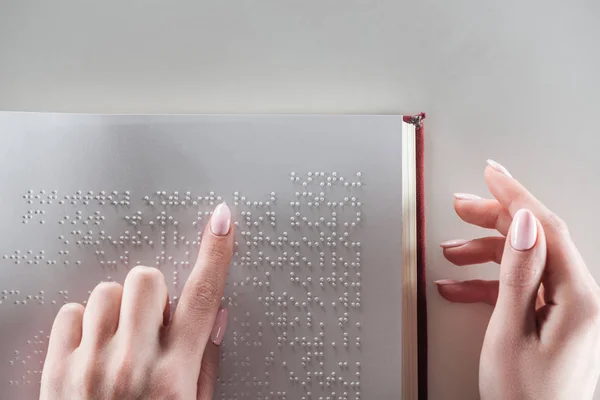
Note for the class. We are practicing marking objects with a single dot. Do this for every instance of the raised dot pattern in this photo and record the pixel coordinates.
(298, 261)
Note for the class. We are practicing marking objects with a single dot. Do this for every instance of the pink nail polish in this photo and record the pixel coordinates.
(523, 234)
(466, 196)
(221, 220)
(444, 282)
(454, 243)
(498, 167)
(218, 330)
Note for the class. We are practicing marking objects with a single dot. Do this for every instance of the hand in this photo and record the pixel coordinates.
(543, 339)
(122, 344)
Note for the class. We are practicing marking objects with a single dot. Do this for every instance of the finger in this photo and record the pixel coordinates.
(566, 271)
(476, 251)
(101, 316)
(521, 273)
(218, 330)
(210, 359)
(475, 291)
(483, 212)
(143, 306)
(209, 372)
(65, 335)
(167, 312)
(196, 311)
(511, 194)
(540, 300)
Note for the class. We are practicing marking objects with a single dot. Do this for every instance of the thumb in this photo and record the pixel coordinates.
(521, 272)
(209, 370)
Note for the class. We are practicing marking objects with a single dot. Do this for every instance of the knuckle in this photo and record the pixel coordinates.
(524, 274)
(205, 295)
(519, 200)
(584, 315)
(490, 216)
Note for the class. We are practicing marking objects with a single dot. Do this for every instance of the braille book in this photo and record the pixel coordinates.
(325, 290)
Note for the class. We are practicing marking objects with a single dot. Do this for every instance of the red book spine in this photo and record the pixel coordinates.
(417, 120)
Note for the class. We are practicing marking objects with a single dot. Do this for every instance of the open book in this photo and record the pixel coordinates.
(326, 287)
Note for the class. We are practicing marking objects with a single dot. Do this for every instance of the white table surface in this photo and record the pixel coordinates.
(514, 81)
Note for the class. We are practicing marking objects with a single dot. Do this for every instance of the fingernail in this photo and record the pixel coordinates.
(524, 230)
(498, 167)
(218, 331)
(445, 282)
(466, 196)
(221, 220)
(454, 243)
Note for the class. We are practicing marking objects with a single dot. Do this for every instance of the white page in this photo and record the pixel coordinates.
(47, 157)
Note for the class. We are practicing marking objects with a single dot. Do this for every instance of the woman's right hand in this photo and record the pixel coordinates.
(543, 339)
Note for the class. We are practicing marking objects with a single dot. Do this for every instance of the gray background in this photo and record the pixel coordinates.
(514, 81)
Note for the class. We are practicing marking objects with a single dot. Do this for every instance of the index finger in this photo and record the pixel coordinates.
(196, 311)
(565, 266)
